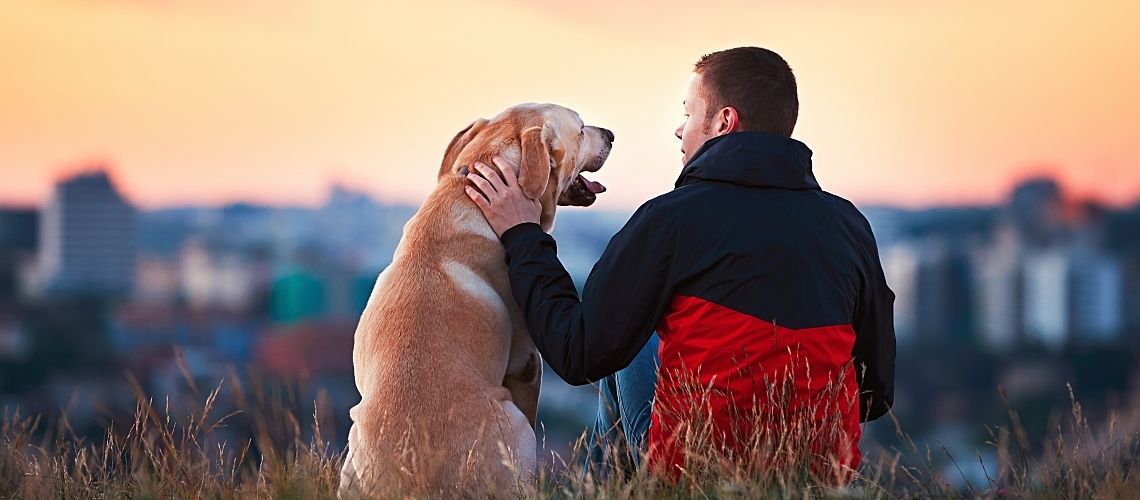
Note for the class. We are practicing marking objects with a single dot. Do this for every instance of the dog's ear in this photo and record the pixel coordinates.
(534, 164)
(457, 144)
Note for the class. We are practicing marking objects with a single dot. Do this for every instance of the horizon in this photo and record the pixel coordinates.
(1067, 197)
(207, 104)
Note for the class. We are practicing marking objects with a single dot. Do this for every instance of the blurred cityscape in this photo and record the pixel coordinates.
(1029, 295)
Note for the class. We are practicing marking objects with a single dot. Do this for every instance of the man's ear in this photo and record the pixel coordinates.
(457, 144)
(535, 161)
(728, 121)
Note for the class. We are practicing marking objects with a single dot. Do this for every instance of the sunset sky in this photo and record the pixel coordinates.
(209, 101)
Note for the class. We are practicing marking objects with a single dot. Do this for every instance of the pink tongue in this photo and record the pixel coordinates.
(594, 187)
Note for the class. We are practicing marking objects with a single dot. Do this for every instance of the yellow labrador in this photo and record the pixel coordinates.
(447, 373)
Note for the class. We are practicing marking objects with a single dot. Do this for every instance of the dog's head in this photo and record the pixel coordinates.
(550, 145)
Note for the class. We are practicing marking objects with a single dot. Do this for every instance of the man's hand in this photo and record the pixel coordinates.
(503, 204)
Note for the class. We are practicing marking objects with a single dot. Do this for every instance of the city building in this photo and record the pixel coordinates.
(931, 280)
(1097, 300)
(1047, 291)
(218, 276)
(900, 267)
(87, 238)
(18, 234)
(997, 291)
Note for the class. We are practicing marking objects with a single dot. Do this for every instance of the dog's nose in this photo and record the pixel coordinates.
(607, 134)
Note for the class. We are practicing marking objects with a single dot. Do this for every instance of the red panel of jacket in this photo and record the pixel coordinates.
(745, 385)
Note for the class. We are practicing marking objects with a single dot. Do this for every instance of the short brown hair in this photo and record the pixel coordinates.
(757, 82)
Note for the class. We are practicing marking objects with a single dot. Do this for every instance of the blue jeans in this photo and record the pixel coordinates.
(620, 435)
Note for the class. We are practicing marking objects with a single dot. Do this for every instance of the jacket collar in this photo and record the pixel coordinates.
(752, 159)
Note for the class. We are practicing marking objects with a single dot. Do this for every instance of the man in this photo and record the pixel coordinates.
(767, 295)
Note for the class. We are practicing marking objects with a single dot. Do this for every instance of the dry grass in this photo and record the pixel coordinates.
(168, 451)
(172, 450)
(1078, 462)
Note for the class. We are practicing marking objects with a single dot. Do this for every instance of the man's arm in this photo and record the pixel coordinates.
(625, 295)
(874, 350)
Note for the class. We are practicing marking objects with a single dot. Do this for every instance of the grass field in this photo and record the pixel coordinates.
(169, 451)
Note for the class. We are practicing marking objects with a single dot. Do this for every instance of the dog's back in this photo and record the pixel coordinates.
(430, 353)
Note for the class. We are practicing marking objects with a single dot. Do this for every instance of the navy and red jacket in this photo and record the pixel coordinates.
(766, 292)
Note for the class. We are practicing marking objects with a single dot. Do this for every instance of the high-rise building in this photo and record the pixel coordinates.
(1047, 292)
(997, 291)
(1097, 299)
(87, 238)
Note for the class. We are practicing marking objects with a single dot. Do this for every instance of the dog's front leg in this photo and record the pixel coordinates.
(524, 374)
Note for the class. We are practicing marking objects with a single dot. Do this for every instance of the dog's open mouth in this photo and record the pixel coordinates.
(593, 187)
(582, 192)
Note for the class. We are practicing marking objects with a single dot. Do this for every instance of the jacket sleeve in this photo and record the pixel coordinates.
(624, 297)
(874, 351)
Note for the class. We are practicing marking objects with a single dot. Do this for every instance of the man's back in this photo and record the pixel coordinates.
(753, 278)
(802, 251)
(771, 281)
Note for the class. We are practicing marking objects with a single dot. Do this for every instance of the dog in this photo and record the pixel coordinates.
(447, 372)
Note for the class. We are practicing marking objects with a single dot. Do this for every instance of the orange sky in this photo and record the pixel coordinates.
(915, 103)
